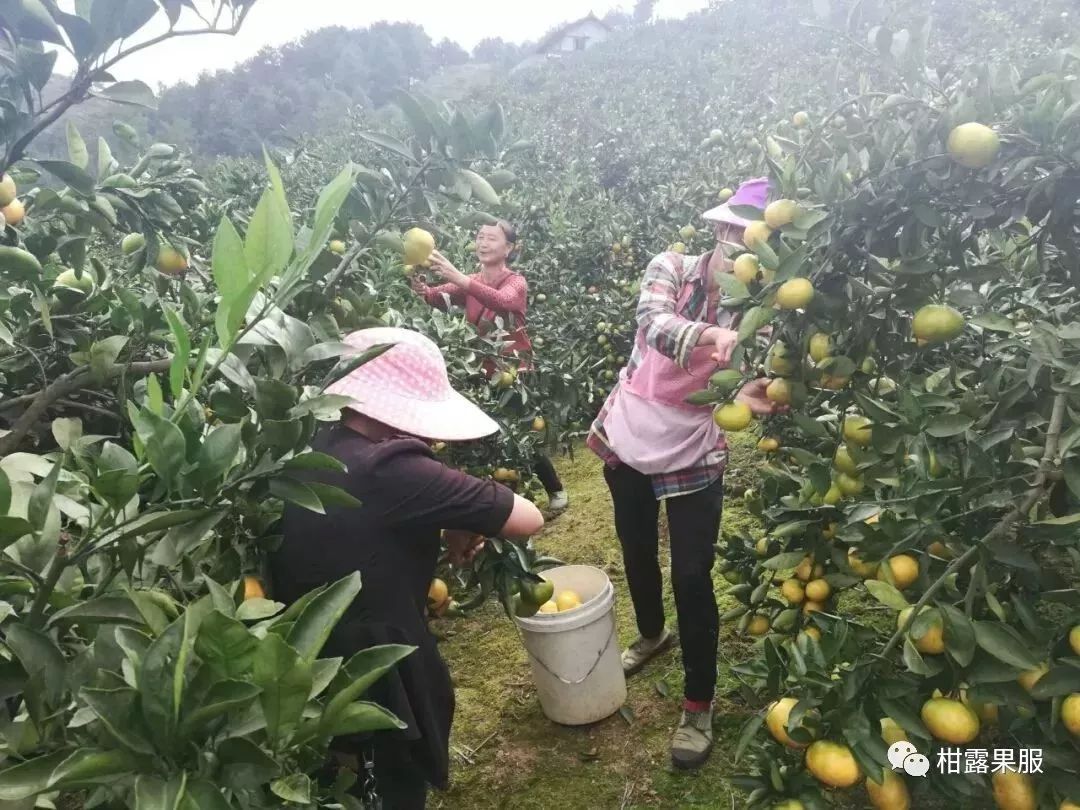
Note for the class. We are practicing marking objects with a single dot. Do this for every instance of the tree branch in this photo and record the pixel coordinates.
(64, 386)
(1033, 496)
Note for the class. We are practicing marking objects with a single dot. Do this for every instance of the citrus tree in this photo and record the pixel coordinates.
(163, 367)
(917, 272)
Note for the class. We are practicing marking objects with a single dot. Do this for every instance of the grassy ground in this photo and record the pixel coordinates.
(507, 754)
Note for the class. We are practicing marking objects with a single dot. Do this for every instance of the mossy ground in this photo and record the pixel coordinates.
(507, 754)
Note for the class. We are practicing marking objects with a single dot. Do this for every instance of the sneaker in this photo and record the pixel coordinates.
(638, 654)
(558, 501)
(693, 741)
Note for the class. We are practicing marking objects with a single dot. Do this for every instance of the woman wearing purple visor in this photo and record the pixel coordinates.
(657, 447)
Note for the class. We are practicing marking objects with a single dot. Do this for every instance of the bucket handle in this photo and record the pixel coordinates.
(554, 674)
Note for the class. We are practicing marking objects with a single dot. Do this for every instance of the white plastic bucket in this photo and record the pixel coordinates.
(575, 658)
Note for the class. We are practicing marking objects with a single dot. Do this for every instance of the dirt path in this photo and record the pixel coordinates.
(506, 754)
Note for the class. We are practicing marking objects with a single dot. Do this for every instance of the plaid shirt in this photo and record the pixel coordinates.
(674, 334)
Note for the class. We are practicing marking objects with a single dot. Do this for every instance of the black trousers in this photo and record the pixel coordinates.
(545, 471)
(693, 526)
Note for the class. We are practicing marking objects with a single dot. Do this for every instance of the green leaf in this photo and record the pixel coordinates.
(117, 710)
(106, 163)
(753, 320)
(181, 353)
(268, 243)
(887, 594)
(32, 20)
(1060, 681)
(732, 286)
(252, 610)
(100, 610)
(155, 397)
(312, 460)
(154, 793)
(67, 431)
(226, 646)
(362, 670)
(786, 560)
(204, 795)
(70, 174)
(959, 635)
(27, 779)
(362, 717)
(162, 674)
(1065, 520)
(313, 626)
(1005, 644)
(293, 491)
(481, 188)
(294, 788)
(135, 92)
(219, 451)
(90, 767)
(245, 765)
(222, 698)
(103, 355)
(231, 275)
(748, 734)
(331, 198)
(165, 448)
(41, 499)
(77, 151)
(285, 679)
(389, 144)
(330, 495)
(993, 322)
(948, 424)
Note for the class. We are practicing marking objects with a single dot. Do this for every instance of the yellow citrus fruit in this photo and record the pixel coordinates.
(8, 191)
(939, 549)
(418, 245)
(725, 195)
(987, 712)
(505, 379)
(756, 234)
(973, 145)
(950, 720)
(768, 445)
(891, 794)
(795, 294)
(818, 590)
(1074, 639)
(833, 496)
(933, 640)
(780, 365)
(13, 213)
(777, 720)
(687, 232)
(734, 416)
(761, 547)
(864, 569)
(567, 600)
(936, 323)
(506, 476)
(849, 485)
(539, 424)
(858, 430)
(806, 570)
(843, 461)
(813, 632)
(780, 213)
(549, 607)
(891, 731)
(821, 346)
(832, 764)
(904, 569)
(132, 243)
(1014, 791)
(1066, 804)
(1070, 713)
(813, 607)
(746, 268)
(832, 382)
(170, 261)
(336, 246)
(253, 589)
(779, 391)
(829, 531)
(758, 625)
(438, 593)
(792, 590)
(800, 119)
(1032, 676)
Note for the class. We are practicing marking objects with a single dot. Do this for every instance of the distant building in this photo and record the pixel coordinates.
(572, 37)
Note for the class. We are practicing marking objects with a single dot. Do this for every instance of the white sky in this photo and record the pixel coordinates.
(275, 22)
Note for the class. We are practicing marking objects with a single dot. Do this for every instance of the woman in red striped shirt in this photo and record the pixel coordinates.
(495, 292)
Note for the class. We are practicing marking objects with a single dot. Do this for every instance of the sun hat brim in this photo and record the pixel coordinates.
(723, 213)
(454, 419)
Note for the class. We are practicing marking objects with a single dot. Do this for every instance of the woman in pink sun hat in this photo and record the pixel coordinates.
(657, 447)
(400, 400)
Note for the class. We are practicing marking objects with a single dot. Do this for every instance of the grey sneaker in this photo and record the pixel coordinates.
(558, 501)
(693, 741)
(638, 654)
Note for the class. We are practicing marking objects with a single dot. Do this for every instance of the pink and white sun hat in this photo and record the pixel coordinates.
(753, 192)
(406, 387)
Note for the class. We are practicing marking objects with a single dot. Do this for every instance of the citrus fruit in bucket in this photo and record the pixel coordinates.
(567, 600)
